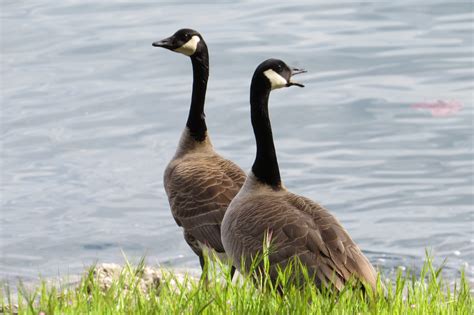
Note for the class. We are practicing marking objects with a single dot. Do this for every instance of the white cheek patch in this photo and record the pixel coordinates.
(190, 47)
(275, 79)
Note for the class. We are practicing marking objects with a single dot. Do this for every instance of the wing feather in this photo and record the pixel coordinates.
(199, 190)
(303, 228)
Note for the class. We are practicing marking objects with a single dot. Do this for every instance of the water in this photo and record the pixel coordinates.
(91, 113)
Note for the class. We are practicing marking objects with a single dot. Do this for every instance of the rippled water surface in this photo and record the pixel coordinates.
(91, 113)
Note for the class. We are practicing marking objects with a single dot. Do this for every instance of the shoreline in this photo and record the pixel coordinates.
(151, 278)
(149, 286)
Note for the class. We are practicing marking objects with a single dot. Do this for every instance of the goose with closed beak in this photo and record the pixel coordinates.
(295, 226)
(199, 182)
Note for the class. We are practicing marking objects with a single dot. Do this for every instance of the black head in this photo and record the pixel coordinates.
(185, 41)
(277, 74)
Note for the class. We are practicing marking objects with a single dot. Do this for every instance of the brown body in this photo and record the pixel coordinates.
(297, 227)
(200, 184)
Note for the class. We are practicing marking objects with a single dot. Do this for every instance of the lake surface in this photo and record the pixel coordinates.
(91, 113)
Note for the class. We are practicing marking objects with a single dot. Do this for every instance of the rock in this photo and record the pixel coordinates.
(149, 278)
(9, 309)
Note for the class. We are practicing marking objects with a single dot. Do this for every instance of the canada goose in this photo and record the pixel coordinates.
(264, 208)
(199, 182)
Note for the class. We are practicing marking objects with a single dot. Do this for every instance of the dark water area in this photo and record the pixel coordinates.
(91, 113)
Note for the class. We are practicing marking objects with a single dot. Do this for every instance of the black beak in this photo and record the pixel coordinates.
(165, 43)
(295, 84)
(295, 71)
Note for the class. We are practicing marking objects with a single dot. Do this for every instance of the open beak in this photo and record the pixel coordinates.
(165, 43)
(295, 71)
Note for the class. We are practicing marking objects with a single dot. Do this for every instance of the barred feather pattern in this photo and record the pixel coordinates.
(200, 184)
(299, 227)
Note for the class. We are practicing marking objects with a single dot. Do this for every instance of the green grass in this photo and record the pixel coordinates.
(406, 294)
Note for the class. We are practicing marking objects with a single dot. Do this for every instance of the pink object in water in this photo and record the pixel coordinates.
(440, 108)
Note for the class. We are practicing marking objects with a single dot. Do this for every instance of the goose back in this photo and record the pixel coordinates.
(298, 227)
(200, 184)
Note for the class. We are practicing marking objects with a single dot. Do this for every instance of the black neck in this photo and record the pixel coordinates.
(265, 166)
(196, 118)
